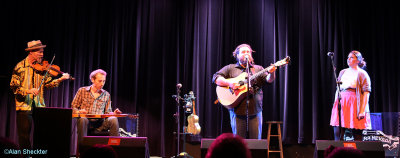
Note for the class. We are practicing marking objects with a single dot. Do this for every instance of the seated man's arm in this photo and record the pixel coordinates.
(76, 103)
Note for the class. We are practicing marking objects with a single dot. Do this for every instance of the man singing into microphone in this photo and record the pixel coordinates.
(243, 54)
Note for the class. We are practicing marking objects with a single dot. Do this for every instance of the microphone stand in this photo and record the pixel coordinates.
(247, 97)
(177, 115)
(339, 97)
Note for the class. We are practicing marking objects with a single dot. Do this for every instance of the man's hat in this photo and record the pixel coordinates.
(33, 45)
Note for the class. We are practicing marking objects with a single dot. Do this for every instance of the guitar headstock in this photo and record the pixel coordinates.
(133, 116)
(282, 62)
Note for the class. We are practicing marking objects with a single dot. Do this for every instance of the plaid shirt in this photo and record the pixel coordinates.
(85, 100)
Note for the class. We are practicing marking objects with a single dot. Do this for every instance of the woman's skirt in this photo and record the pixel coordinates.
(349, 113)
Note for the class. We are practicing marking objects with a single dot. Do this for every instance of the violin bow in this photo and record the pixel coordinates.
(47, 71)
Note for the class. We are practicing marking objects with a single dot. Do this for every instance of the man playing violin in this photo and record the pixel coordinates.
(95, 100)
(25, 82)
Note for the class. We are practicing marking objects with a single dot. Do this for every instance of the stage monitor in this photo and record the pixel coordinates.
(371, 149)
(125, 147)
(258, 148)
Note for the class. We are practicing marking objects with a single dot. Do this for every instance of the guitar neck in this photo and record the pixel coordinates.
(190, 99)
(194, 107)
(258, 74)
(277, 64)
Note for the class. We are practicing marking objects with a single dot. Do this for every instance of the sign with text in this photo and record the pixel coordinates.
(390, 143)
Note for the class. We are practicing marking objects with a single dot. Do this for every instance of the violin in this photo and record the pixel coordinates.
(54, 70)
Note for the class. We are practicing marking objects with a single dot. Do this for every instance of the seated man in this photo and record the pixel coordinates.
(95, 100)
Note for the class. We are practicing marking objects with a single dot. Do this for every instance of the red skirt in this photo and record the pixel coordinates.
(349, 113)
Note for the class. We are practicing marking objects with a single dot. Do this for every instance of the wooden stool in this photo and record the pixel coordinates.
(278, 123)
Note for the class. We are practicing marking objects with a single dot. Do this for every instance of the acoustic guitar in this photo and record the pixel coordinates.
(230, 98)
(193, 119)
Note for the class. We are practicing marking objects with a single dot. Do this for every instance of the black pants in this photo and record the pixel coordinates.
(24, 128)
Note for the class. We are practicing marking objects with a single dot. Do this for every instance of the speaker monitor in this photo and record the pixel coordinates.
(371, 149)
(125, 147)
(52, 131)
(258, 148)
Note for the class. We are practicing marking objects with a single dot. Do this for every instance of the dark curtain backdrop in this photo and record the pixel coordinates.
(148, 46)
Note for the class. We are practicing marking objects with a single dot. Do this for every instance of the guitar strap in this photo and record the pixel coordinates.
(254, 86)
(252, 70)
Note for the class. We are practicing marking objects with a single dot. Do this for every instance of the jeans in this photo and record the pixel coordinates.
(110, 123)
(238, 124)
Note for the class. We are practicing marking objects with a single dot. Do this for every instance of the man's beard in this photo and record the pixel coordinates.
(39, 60)
(244, 62)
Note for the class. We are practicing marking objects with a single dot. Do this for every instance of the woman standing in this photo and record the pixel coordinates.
(355, 89)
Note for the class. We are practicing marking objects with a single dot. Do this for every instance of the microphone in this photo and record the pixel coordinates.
(178, 86)
(330, 53)
(247, 57)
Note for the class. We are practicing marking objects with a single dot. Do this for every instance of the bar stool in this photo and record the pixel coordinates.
(279, 135)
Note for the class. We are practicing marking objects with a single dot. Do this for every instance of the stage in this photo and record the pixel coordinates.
(148, 47)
